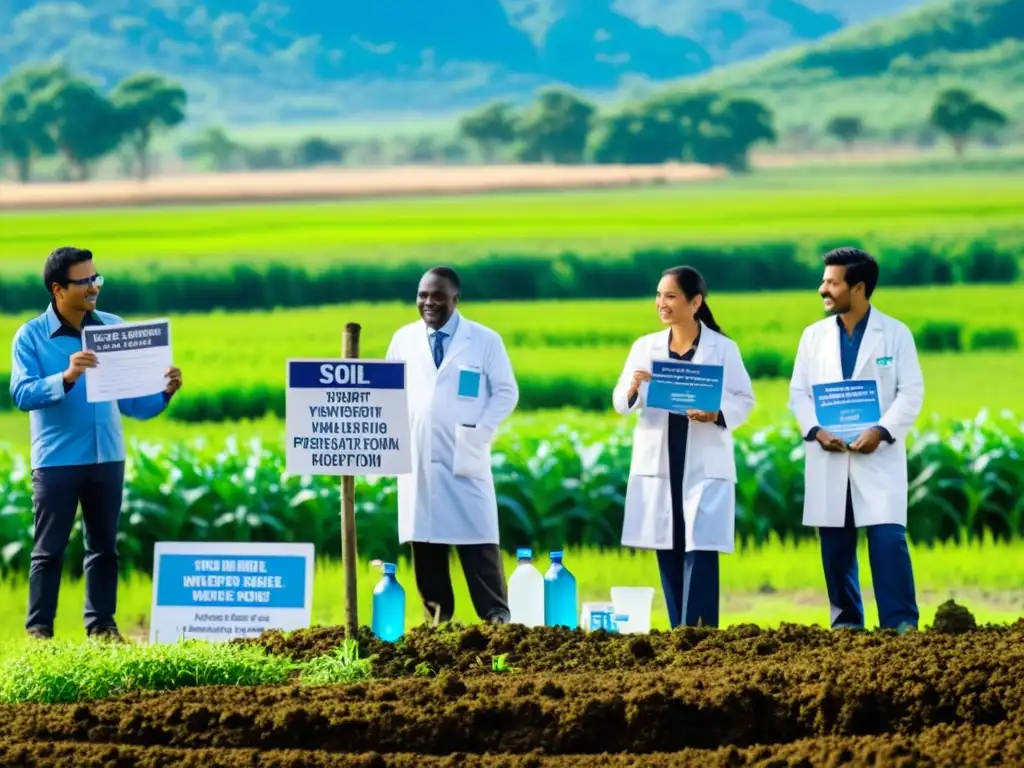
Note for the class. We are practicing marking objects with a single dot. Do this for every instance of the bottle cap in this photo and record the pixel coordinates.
(524, 553)
(556, 555)
(389, 569)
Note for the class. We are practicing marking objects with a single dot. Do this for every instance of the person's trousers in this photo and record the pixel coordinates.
(57, 492)
(485, 577)
(891, 573)
(690, 583)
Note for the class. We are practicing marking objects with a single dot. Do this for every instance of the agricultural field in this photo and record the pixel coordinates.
(569, 354)
(773, 205)
(773, 684)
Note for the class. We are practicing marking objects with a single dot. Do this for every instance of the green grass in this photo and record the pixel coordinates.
(767, 586)
(761, 207)
(63, 671)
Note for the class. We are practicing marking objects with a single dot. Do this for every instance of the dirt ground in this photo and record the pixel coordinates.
(334, 183)
(796, 696)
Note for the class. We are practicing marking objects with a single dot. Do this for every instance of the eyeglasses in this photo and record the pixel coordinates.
(96, 280)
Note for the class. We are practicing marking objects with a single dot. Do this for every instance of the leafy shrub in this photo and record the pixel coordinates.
(1004, 339)
(940, 336)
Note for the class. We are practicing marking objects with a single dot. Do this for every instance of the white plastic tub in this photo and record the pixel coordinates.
(634, 602)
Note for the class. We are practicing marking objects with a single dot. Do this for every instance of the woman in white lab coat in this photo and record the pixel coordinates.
(680, 497)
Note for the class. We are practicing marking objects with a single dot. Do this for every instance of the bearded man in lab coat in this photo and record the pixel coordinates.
(461, 388)
(862, 484)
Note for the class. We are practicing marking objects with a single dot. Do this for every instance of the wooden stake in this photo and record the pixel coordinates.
(349, 350)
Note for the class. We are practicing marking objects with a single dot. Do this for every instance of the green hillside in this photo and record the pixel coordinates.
(249, 61)
(888, 71)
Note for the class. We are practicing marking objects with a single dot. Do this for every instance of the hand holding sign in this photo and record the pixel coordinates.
(703, 416)
(173, 380)
(830, 442)
(77, 364)
(868, 441)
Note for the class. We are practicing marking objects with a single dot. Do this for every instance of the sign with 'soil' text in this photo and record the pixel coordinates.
(347, 417)
(222, 590)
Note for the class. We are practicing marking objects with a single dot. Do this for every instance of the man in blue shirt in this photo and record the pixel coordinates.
(78, 454)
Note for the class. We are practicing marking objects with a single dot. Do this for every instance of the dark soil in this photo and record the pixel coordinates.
(795, 696)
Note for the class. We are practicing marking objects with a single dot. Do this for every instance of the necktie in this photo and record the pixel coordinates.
(438, 349)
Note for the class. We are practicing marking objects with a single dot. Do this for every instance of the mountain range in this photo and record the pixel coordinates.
(290, 60)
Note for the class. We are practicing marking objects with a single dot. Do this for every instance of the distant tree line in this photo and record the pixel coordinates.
(957, 113)
(560, 127)
(47, 111)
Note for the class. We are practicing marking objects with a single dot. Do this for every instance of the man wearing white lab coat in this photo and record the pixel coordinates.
(862, 484)
(461, 388)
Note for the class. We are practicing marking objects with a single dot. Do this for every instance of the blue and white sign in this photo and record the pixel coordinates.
(847, 408)
(679, 386)
(347, 417)
(133, 359)
(222, 590)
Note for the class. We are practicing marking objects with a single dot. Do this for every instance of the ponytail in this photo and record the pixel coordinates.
(705, 316)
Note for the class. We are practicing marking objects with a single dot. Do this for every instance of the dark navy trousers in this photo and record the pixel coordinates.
(690, 583)
(688, 579)
(57, 492)
(891, 573)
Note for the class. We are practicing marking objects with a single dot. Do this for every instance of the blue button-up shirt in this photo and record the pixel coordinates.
(449, 328)
(66, 429)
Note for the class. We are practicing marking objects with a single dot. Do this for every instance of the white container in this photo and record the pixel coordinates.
(526, 592)
(634, 602)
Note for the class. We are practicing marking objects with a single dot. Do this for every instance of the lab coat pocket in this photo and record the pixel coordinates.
(472, 452)
(647, 449)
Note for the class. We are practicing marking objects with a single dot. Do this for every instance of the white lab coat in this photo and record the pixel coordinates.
(709, 477)
(878, 481)
(449, 497)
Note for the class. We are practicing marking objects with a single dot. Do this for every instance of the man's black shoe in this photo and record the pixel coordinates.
(40, 633)
(107, 634)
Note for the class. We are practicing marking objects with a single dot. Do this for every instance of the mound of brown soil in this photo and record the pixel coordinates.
(793, 696)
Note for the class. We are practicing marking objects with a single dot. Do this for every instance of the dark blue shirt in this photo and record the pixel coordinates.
(849, 344)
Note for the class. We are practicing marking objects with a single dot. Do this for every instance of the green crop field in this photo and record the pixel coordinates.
(768, 206)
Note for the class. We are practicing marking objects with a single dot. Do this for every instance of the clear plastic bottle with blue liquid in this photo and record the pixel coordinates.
(388, 606)
(560, 602)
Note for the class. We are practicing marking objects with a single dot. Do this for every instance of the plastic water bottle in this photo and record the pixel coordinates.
(388, 606)
(526, 591)
(559, 595)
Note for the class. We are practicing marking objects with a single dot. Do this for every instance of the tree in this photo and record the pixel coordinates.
(317, 151)
(25, 116)
(640, 136)
(491, 127)
(557, 130)
(84, 124)
(957, 112)
(214, 145)
(147, 102)
(845, 128)
(732, 128)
